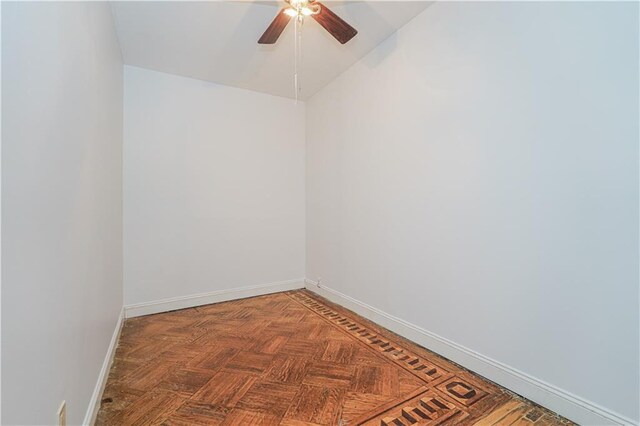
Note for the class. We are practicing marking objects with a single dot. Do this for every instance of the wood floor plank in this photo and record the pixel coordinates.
(292, 359)
(269, 397)
(148, 408)
(287, 369)
(339, 352)
(186, 382)
(249, 362)
(245, 418)
(225, 388)
(213, 358)
(373, 379)
(317, 405)
(197, 413)
(329, 374)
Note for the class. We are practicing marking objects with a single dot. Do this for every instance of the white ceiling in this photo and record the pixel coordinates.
(217, 41)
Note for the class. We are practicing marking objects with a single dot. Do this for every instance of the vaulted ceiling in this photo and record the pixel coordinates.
(217, 41)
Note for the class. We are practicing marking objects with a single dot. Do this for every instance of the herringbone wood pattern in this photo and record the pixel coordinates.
(292, 359)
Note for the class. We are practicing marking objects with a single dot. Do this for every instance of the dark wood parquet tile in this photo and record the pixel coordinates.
(292, 359)
(249, 362)
(316, 405)
(243, 417)
(269, 397)
(269, 343)
(339, 352)
(225, 388)
(186, 382)
(324, 373)
(197, 413)
(213, 358)
(288, 369)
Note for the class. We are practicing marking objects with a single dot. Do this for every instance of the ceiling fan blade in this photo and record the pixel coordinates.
(336, 26)
(276, 27)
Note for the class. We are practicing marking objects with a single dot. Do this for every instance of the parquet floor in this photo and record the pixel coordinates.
(292, 359)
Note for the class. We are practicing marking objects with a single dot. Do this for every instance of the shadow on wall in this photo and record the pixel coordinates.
(383, 49)
(380, 53)
(376, 56)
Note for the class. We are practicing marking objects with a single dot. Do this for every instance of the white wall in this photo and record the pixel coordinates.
(477, 176)
(214, 187)
(61, 205)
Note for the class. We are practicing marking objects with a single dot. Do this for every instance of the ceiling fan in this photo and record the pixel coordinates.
(331, 22)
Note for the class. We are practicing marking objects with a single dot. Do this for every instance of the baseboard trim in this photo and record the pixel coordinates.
(96, 397)
(182, 302)
(565, 403)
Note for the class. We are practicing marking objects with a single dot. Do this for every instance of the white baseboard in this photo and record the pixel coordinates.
(565, 403)
(182, 302)
(94, 403)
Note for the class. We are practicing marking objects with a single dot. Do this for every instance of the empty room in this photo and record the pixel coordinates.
(320, 213)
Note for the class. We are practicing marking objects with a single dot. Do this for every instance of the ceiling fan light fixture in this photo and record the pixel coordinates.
(303, 10)
(299, 9)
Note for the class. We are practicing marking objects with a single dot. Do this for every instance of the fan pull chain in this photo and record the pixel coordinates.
(295, 60)
(297, 54)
